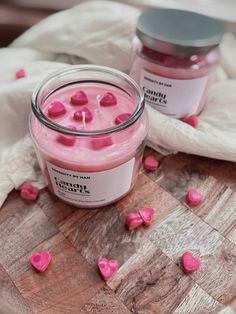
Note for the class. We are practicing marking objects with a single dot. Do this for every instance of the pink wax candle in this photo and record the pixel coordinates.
(89, 128)
(175, 54)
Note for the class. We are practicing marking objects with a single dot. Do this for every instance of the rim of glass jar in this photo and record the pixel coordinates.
(73, 69)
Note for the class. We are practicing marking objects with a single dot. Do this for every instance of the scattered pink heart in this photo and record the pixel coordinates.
(133, 221)
(150, 163)
(67, 140)
(194, 198)
(147, 214)
(101, 142)
(29, 192)
(191, 120)
(107, 267)
(88, 116)
(79, 98)
(108, 100)
(20, 74)
(122, 118)
(189, 262)
(41, 260)
(56, 109)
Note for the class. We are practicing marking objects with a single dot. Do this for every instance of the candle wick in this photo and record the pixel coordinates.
(83, 119)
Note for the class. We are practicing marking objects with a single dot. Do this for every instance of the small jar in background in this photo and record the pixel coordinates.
(175, 55)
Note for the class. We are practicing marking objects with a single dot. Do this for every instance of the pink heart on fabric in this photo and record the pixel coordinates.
(191, 120)
(189, 262)
(133, 221)
(108, 100)
(56, 109)
(107, 267)
(101, 142)
(67, 140)
(20, 74)
(150, 163)
(79, 98)
(29, 192)
(122, 118)
(147, 214)
(194, 197)
(41, 260)
(88, 116)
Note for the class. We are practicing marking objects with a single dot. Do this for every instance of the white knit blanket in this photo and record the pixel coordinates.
(100, 32)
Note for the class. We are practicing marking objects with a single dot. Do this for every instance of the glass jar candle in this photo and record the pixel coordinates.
(174, 56)
(89, 128)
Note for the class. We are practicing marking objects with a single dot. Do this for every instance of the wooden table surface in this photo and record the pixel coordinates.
(150, 278)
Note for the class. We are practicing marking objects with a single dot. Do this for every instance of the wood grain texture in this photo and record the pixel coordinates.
(104, 234)
(183, 231)
(65, 287)
(104, 302)
(150, 283)
(197, 301)
(150, 279)
(11, 299)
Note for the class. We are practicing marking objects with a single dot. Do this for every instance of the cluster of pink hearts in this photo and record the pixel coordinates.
(109, 100)
(144, 216)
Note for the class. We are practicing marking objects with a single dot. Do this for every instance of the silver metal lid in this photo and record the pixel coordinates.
(177, 32)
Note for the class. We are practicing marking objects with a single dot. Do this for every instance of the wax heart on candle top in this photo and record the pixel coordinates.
(20, 74)
(147, 214)
(192, 120)
(122, 118)
(189, 262)
(107, 267)
(101, 142)
(67, 140)
(150, 163)
(78, 115)
(194, 197)
(56, 109)
(79, 98)
(41, 260)
(133, 221)
(108, 100)
(29, 192)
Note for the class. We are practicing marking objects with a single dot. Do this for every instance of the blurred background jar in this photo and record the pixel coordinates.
(175, 52)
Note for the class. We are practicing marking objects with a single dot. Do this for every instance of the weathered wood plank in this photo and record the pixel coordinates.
(65, 287)
(104, 302)
(149, 282)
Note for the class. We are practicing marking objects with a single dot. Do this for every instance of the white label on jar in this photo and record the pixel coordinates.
(176, 98)
(91, 188)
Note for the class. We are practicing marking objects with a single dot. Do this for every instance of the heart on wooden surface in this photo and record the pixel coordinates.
(190, 263)
(107, 267)
(41, 260)
(133, 221)
(194, 197)
(147, 214)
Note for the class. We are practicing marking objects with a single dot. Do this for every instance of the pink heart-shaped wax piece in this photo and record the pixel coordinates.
(41, 260)
(122, 118)
(107, 267)
(56, 109)
(20, 74)
(88, 116)
(29, 192)
(191, 120)
(133, 221)
(189, 262)
(147, 214)
(194, 197)
(108, 100)
(101, 142)
(67, 140)
(79, 98)
(150, 163)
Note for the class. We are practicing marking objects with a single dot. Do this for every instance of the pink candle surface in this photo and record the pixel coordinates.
(110, 161)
